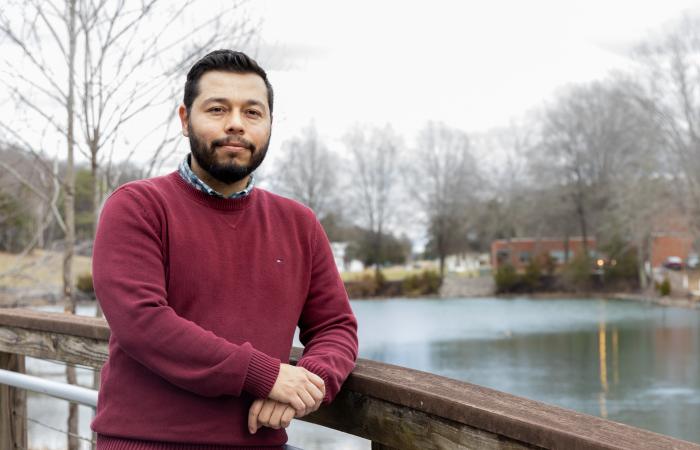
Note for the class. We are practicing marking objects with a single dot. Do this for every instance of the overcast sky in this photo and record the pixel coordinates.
(475, 65)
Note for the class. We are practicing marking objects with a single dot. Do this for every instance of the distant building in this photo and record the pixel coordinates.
(667, 244)
(466, 262)
(671, 237)
(343, 265)
(519, 252)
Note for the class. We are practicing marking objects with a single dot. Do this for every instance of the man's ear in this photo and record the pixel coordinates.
(182, 112)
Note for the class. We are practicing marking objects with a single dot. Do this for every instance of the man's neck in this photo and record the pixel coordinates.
(222, 188)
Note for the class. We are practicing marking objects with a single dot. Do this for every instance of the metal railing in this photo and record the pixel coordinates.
(77, 394)
(392, 406)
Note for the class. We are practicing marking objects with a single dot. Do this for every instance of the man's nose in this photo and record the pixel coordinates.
(234, 124)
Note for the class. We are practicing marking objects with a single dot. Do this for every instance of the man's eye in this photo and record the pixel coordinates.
(216, 109)
(254, 112)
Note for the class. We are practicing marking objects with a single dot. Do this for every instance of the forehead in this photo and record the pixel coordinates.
(232, 86)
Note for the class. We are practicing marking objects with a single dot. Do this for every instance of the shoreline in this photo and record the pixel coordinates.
(674, 302)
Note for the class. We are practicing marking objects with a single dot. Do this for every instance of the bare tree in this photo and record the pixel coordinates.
(443, 178)
(671, 66)
(374, 176)
(120, 60)
(30, 184)
(308, 172)
(588, 136)
(504, 208)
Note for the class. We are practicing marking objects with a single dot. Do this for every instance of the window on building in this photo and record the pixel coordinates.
(557, 255)
(525, 257)
(503, 256)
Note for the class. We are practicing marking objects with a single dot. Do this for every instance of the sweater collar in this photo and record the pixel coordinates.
(224, 204)
(185, 170)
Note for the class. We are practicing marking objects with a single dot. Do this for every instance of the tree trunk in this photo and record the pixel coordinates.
(643, 250)
(582, 222)
(69, 205)
(96, 200)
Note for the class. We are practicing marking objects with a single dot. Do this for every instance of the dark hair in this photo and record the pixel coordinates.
(225, 60)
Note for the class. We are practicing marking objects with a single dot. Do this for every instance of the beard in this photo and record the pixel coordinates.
(230, 172)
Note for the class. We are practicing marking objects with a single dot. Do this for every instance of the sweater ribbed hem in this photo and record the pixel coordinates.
(116, 443)
(262, 374)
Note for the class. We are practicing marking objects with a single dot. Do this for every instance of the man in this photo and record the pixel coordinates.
(203, 279)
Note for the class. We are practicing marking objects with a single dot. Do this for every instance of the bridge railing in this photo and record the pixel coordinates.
(392, 406)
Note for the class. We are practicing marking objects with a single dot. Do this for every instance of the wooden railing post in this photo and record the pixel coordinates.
(13, 406)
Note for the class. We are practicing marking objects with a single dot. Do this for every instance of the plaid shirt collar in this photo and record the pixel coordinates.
(192, 179)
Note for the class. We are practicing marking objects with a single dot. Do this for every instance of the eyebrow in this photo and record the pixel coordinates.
(227, 101)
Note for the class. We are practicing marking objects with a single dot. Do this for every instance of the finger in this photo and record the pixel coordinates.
(276, 417)
(253, 415)
(308, 400)
(297, 403)
(315, 392)
(266, 412)
(315, 379)
(314, 408)
(287, 416)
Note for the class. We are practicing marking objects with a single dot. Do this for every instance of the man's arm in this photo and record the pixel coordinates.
(328, 328)
(129, 279)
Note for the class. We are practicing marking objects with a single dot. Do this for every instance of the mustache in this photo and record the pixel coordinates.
(233, 141)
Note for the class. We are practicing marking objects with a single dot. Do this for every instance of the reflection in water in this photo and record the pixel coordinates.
(616, 357)
(602, 357)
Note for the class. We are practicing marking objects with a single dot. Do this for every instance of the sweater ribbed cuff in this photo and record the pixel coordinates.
(317, 369)
(262, 374)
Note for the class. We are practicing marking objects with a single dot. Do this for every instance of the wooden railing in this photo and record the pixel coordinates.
(394, 407)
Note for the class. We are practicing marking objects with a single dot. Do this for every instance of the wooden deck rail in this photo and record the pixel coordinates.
(392, 406)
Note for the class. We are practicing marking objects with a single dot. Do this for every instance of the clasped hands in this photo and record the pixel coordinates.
(296, 393)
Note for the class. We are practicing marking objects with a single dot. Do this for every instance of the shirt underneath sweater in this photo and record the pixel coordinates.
(202, 296)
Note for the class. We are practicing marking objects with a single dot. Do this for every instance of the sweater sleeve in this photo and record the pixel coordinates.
(328, 328)
(129, 278)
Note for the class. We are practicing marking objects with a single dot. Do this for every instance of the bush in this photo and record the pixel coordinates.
(532, 279)
(665, 287)
(506, 278)
(622, 269)
(427, 282)
(368, 285)
(577, 274)
(549, 264)
(84, 283)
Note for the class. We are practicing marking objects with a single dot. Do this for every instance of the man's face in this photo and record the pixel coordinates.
(228, 124)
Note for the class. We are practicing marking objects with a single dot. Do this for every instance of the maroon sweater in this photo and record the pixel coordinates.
(202, 296)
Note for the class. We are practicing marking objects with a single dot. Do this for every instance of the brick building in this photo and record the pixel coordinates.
(666, 244)
(671, 237)
(520, 251)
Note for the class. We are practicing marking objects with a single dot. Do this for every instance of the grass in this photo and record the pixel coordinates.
(393, 273)
(40, 268)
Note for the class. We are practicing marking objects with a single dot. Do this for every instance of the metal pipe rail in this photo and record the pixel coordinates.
(77, 394)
